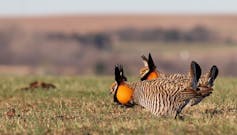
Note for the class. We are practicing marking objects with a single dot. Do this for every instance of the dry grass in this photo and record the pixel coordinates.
(82, 105)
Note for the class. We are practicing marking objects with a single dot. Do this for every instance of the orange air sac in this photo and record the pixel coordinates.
(124, 94)
(152, 75)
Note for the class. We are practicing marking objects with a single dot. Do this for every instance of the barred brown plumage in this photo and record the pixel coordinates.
(206, 80)
(161, 96)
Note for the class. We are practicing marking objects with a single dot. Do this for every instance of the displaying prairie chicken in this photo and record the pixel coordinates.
(161, 96)
(150, 72)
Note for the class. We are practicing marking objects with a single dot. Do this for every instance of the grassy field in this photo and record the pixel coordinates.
(83, 105)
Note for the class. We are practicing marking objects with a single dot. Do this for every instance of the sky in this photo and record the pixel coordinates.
(47, 7)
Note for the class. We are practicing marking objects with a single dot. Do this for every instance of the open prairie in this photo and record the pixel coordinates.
(77, 54)
(92, 44)
(83, 105)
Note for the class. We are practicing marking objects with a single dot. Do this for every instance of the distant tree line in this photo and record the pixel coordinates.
(197, 34)
(98, 40)
(103, 40)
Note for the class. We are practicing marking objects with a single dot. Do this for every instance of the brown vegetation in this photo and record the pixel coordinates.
(38, 84)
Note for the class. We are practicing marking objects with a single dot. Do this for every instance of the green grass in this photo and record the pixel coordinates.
(83, 105)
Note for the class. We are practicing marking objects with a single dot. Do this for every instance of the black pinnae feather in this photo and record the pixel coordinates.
(117, 74)
(151, 64)
(122, 76)
(151, 67)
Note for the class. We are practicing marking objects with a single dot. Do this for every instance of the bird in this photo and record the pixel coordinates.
(149, 72)
(161, 96)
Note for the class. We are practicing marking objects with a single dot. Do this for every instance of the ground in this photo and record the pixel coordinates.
(83, 105)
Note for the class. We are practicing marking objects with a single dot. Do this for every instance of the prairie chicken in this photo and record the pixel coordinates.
(161, 96)
(150, 72)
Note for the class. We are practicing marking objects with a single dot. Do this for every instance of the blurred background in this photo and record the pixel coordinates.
(68, 37)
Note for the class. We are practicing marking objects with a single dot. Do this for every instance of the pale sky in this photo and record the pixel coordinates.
(45, 7)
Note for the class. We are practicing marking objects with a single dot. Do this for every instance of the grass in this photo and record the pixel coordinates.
(83, 105)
